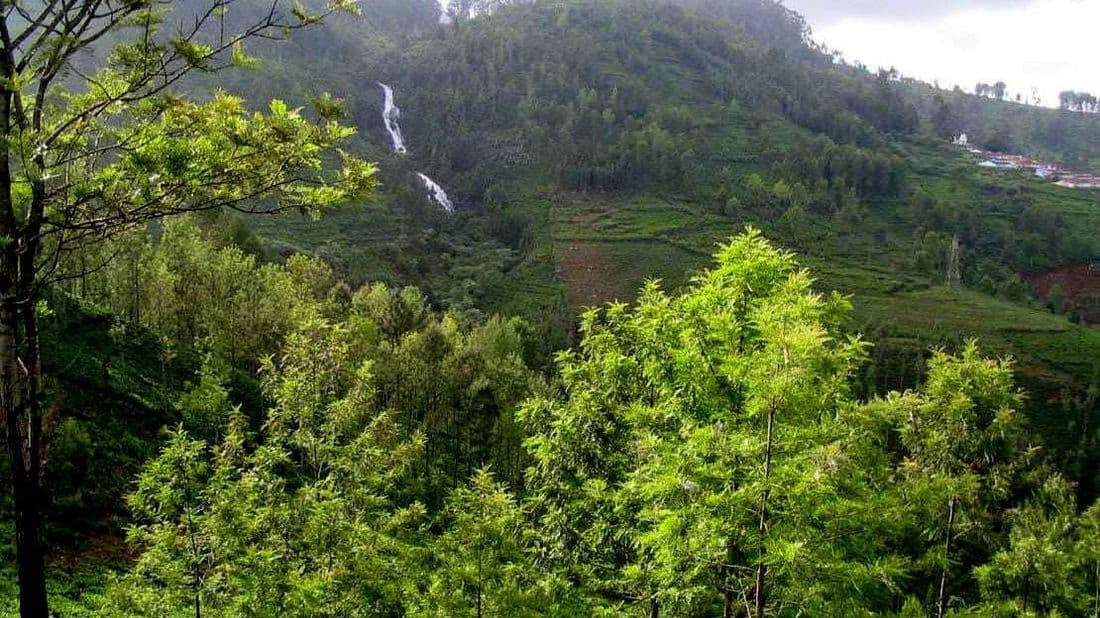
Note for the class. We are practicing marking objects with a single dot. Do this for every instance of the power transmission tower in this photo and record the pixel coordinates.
(954, 272)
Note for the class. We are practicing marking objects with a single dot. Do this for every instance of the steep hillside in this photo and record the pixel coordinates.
(592, 145)
(587, 146)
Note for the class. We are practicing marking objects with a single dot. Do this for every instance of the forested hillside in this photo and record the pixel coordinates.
(276, 379)
(596, 144)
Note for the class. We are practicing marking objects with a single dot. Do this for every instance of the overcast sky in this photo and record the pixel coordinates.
(1046, 44)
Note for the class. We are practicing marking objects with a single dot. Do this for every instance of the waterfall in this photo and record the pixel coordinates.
(437, 192)
(390, 115)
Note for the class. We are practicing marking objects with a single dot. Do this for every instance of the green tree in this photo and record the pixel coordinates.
(1088, 553)
(1056, 299)
(195, 293)
(457, 381)
(945, 120)
(479, 566)
(769, 352)
(704, 455)
(299, 520)
(1041, 572)
(964, 450)
(206, 406)
(116, 151)
(169, 497)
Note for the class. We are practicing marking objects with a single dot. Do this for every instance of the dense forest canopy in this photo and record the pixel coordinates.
(614, 381)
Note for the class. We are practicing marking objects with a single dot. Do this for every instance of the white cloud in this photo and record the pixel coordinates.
(1046, 44)
(821, 12)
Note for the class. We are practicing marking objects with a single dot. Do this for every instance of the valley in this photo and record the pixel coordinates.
(696, 169)
(552, 307)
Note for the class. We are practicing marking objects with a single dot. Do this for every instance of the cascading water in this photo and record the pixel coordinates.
(437, 192)
(391, 114)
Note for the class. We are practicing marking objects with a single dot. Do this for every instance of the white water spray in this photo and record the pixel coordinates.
(391, 114)
(437, 192)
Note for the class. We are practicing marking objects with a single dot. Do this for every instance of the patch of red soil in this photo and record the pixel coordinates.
(584, 270)
(1080, 286)
(1080, 280)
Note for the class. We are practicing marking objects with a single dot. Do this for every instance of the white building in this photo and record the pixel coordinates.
(999, 163)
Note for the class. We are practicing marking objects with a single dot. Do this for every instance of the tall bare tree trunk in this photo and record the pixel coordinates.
(20, 374)
(28, 375)
(21, 407)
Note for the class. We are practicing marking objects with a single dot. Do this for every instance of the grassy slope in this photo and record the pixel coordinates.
(583, 249)
(587, 248)
(605, 246)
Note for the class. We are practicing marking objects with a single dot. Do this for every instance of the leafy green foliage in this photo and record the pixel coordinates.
(1044, 571)
(318, 480)
(709, 453)
(964, 450)
(479, 566)
(705, 452)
